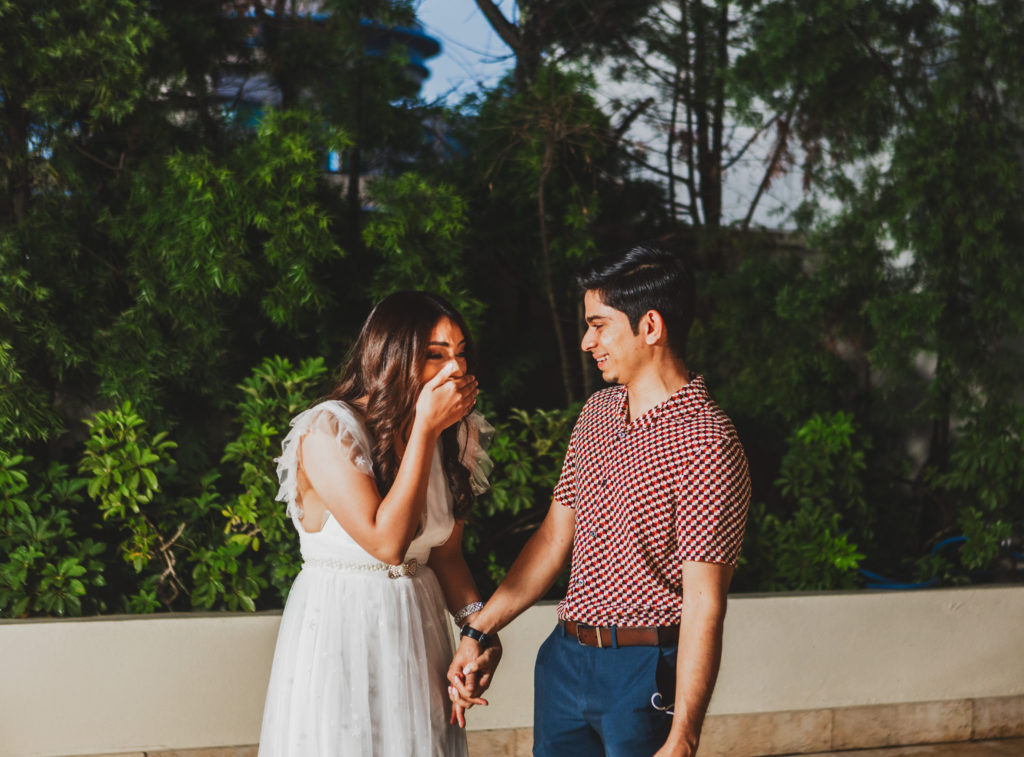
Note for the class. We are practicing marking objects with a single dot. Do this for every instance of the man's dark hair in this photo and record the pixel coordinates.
(641, 278)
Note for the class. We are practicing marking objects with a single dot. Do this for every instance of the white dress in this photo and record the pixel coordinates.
(360, 663)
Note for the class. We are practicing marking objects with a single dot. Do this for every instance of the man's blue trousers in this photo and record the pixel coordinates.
(591, 702)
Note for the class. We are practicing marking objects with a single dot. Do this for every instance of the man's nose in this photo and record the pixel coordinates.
(588, 343)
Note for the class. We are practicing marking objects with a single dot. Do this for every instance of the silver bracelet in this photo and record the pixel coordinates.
(465, 612)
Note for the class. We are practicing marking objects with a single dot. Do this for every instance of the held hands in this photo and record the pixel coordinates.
(469, 675)
(446, 398)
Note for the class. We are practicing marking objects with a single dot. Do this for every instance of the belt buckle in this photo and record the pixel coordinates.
(597, 635)
(407, 569)
(578, 639)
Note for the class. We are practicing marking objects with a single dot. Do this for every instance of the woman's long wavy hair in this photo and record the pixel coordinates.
(385, 366)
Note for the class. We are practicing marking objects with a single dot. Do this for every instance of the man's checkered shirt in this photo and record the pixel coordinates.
(668, 487)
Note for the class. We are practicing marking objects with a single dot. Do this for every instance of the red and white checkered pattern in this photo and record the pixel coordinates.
(671, 486)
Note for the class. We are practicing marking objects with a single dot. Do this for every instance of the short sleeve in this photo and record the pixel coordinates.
(716, 495)
(475, 435)
(565, 489)
(590, 415)
(336, 419)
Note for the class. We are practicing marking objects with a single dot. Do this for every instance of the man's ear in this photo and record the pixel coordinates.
(652, 327)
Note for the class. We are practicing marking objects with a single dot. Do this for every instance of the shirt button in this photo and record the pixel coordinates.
(603, 482)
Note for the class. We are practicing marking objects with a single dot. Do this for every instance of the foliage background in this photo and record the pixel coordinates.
(181, 270)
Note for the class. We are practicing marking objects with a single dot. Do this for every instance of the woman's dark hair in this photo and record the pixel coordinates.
(384, 366)
(642, 278)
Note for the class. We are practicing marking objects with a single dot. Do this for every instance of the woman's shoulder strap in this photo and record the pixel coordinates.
(345, 423)
(333, 418)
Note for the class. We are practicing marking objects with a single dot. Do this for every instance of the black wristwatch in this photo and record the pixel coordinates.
(478, 636)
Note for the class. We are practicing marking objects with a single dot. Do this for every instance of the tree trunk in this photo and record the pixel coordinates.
(549, 290)
(690, 95)
(271, 24)
(523, 40)
(355, 167)
(670, 156)
(701, 101)
(19, 177)
(713, 206)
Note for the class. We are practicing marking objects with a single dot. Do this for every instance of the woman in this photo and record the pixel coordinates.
(378, 480)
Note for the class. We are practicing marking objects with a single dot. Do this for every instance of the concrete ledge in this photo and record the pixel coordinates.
(997, 718)
(823, 730)
(803, 732)
(914, 723)
(800, 674)
(763, 733)
(511, 742)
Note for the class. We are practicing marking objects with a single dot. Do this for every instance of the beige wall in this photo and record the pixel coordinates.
(122, 684)
(110, 685)
(806, 652)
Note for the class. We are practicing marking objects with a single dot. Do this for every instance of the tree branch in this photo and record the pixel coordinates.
(632, 116)
(508, 31)
(890, 73)
(770, 169)
(102, 162)
(747, 145)
(663, 76)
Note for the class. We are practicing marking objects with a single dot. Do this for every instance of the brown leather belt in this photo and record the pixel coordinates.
(601, 636)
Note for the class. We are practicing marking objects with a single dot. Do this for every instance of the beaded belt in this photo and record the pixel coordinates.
(407, 569)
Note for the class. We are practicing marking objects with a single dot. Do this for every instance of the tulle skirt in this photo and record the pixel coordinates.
(359, 669)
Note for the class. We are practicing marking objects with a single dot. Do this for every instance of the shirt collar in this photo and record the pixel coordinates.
(689, 397)
(682, 402)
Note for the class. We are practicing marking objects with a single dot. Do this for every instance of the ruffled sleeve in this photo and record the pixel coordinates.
(475, 437)
(336, 419)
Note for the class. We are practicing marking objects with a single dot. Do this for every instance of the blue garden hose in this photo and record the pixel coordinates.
(876, 581)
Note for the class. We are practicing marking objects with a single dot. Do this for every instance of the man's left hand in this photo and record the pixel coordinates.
(469, 675)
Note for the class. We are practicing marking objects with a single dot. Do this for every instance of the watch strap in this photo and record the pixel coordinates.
(478, 636)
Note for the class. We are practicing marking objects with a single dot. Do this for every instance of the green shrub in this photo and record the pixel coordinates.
(821, 479)
(45, 568)
(122, 462)
(986, 481)
(258, 532)
(528, 449)
(218, 542)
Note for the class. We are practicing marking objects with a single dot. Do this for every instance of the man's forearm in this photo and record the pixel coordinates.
(700, 653)
(533, 572)
(705, 592)
(529, 578)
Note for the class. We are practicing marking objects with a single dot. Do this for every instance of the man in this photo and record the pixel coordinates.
(652, 502)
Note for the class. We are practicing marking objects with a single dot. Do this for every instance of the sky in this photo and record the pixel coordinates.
(473, 56)
(471, 53)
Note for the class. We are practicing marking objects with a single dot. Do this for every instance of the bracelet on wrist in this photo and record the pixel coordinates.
(478, 636)
(461, 616)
